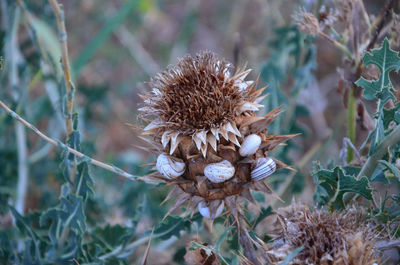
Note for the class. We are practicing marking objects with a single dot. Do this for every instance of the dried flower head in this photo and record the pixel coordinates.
(199, 98)
(327, 17)
(327, 238)
(210, 144)
(307, 22)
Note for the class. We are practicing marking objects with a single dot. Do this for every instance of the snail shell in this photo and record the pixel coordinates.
(219, 172)
(170, 167)
(250, 145)
(212, 211)
(264, 168)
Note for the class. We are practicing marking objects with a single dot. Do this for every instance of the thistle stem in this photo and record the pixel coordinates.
(59, 13)
(335, 43)
(351, 123)
(20, 133)
(92, 161)
(372, 162)
(369, 166)
(22, 185)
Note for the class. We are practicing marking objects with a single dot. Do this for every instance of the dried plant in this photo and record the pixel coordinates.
(210, 143)
(326, 238)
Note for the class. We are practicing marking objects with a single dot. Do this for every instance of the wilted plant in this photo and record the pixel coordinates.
(323, 237)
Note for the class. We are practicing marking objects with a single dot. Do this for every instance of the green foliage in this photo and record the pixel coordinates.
(382, 89)
(333, 184)
(103, 35)
(83, 182)
(386, 60)
(291, 256)
(265, 212)
(173, 225)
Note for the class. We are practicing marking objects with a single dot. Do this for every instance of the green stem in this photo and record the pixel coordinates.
(369, 166)
(351, 123)
(372, 162)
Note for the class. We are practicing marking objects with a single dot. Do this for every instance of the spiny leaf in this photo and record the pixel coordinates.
(291, 256)
(391, 115)
(221, 239)
(392, 168)
(376, 136)
(386, 60)
(32, 243)
(332, 185)
(264, 213)
(23, 224)
(69, 212)
(172, 226)
(83, 182)
(112, 236)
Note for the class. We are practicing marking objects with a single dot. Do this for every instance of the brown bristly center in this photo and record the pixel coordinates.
(196, 94)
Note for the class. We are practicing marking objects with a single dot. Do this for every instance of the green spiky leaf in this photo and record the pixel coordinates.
(110, 237)
(392, 168)
(172, 226)
(83, 182)
(386, 60)
(333, 184)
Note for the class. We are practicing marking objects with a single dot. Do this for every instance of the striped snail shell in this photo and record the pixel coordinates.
(265, 166)
(170, 167)
(207, 210)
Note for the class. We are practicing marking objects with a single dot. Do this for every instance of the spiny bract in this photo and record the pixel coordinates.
(199, 115)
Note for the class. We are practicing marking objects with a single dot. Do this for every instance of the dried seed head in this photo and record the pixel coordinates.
(196, 95)
(199, 98)
(327, 238)
(199, 116)
(327, 17)
(307, 22)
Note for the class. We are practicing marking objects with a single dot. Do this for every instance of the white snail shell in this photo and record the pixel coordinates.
(250, 145)
(206, 212)
(219, 172)
(264, 168)
(170, 167)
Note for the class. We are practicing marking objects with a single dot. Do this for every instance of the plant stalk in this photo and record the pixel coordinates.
(59, 13)
(372, 162)
(369, 166)
(351, 122)
(78, 154)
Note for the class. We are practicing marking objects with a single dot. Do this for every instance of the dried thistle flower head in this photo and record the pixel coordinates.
(307, 22)
(199, 98)
(327, 17)
(327, 238)
(210, 144)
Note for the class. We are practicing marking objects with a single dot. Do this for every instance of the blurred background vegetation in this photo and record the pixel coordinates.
(115, 47)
